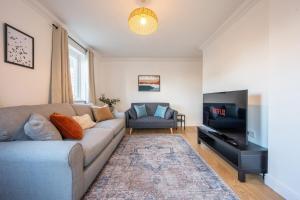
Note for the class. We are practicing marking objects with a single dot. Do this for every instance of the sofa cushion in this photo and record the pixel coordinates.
(82, 109)
(67, 126)
(4, 136)
(40, 128)
(114, 124)
(94, 142)
(102, 113)
(84, 121)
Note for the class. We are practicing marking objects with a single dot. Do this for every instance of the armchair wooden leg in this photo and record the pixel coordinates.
(130, 131)
(171, 129)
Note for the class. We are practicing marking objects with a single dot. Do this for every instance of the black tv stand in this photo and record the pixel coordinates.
(245, 159)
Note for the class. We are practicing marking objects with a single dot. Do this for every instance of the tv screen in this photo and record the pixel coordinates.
(226, 113)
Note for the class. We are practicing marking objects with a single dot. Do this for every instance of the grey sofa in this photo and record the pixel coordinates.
(45, 170)
(150, 121)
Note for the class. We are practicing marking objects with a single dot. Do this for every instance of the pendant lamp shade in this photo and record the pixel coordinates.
(143, 21)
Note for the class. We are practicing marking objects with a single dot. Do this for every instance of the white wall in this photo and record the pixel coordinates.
(180, 83)
(260, 52)
(19, 85)
(284, 98)
(238, 59)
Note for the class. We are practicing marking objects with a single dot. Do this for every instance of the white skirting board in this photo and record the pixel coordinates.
(281, 188)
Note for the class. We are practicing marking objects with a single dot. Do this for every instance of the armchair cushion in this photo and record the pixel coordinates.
(169, 113)
(140, 110)
(132, 114)
(160, 111)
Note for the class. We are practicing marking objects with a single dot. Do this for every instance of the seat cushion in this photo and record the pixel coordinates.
(94, 142)
(114, 124)
(151, 122)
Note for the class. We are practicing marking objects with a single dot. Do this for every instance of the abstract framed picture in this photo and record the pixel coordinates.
(149, 83)
(18, 47)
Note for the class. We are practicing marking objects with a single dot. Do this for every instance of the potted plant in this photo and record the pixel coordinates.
(109, 101)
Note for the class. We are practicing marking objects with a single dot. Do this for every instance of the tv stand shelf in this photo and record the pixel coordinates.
(247, 159)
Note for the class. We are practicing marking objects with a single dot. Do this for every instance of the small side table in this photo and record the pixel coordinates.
(181, 119)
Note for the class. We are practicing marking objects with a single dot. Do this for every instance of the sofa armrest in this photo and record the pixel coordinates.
(127, 117)
(119, 115)
(41, 170)
(175, 112)
(175, 116)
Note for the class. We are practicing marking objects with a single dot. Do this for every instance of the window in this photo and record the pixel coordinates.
(79, 73)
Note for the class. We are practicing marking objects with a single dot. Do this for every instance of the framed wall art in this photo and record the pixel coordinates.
(18, 47)
(149, 83)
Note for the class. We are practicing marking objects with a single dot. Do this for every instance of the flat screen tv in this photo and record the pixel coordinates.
(226, 114)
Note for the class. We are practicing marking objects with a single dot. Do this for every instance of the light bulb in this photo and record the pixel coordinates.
(143, 21)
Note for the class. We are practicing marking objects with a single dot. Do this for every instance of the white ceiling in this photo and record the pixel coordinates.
(183, 25)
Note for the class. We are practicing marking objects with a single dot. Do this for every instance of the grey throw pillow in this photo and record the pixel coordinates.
(40, 128)
(4, 136)
(169, 114)
(132, 114)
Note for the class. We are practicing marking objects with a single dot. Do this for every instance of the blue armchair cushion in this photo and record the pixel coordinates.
(169, 113)
(132, 114)
(140, 111)
(160, 111)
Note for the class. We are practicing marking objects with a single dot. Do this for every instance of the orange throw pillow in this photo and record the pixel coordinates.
(67, 126)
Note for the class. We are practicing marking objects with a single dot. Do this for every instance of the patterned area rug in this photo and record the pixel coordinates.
(157, 167)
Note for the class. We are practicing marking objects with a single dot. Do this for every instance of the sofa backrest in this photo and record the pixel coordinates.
(13, 119)
(150, 107)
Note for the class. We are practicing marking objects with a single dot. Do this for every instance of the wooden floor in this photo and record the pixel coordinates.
(253, 188)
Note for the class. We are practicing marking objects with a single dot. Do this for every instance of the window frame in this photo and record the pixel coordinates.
(78, 55)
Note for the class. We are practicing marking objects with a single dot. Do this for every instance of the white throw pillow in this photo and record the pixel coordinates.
(84, 121)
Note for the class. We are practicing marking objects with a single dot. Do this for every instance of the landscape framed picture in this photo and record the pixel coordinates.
(149, 83)
(18, 47)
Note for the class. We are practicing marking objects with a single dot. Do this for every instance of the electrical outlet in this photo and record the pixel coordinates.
(251, 133)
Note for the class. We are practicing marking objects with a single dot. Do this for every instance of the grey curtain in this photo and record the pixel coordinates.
(61, 88)
(92, 91)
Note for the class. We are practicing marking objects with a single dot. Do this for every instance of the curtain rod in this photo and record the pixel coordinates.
(72, 39)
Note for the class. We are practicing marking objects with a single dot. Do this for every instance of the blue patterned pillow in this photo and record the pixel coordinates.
(160, 111)
(140, 111)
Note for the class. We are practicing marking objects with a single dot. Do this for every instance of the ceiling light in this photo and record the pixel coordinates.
(143, 21)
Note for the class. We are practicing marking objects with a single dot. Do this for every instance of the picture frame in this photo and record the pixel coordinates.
(18, 47)
(149, 83)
